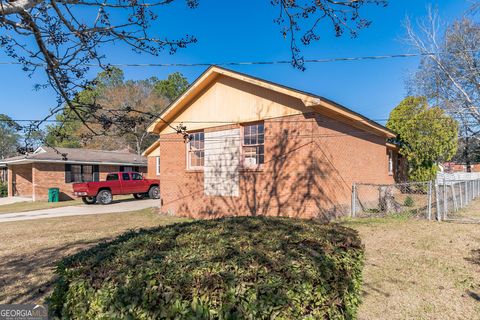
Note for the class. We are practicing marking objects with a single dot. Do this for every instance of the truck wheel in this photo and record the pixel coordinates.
(104, 197)
(89, 200)
(139, 196)
(154, 192)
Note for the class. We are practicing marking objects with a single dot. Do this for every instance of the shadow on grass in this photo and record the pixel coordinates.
(28, 277)
(474, 258)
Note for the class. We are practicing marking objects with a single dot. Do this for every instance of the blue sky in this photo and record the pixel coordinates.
(244, 31)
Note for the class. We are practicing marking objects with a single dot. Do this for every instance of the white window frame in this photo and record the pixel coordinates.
(390, 162)
(157, 165)
(189, 151)
(244, 146)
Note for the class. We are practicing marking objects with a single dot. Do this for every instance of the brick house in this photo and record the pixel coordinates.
(260, 148)
(152, 154)
(31, 175)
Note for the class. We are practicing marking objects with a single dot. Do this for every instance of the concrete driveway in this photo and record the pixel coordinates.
(117, 206)
(10, 200)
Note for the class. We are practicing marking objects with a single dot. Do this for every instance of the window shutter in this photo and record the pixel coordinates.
(96, 173)
(68, 173)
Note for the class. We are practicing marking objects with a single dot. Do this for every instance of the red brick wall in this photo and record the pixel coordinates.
(20, 180)
(311, 162)
(152, 167)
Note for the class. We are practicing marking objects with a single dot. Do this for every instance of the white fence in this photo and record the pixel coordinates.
(458, 176)
(455, 192)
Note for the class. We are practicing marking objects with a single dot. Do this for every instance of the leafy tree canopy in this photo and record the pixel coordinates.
(426, 136)
(9, 137)
(121, 110)
(172, 87)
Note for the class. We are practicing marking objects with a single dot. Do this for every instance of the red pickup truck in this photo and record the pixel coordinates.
(117, 183)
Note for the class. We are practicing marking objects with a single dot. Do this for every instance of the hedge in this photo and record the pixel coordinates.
(231, 268)
(3, 189)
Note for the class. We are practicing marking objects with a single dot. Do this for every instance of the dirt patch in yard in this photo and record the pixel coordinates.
(420, 270)
(29, 250)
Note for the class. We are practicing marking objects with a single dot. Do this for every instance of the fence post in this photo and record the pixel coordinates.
(445, 200)
(454, 197)
(471, 190)
(437, 199)
(474, 193)
(354, 200)
(429, 200)
(466, 193)
(460, 194)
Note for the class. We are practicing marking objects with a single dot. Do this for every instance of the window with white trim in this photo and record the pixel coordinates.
(157, 165)
(390, 162)
(196, 151)
(253, 148)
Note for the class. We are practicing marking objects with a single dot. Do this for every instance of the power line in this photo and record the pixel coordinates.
(243, 63)
(446, 117)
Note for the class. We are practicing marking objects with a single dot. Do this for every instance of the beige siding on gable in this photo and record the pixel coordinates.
(230, 100)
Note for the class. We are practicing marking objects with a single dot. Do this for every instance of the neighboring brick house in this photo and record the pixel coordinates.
(259, 148)
(33, 174)
(153, 159)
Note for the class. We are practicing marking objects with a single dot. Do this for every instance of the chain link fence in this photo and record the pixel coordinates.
(442, 199)
(413, 199)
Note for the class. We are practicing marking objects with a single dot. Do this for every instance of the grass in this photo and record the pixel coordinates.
(25, 206)
(29, 250)
(420, 270)
(413, 270)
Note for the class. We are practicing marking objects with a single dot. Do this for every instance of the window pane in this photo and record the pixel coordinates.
(87, 173)
(196, 150)
(136, 176)
(250, 155)
(76, 173)
(125, 176)
(261, 152)
(254, 139)
(112, 177)
(260, 139)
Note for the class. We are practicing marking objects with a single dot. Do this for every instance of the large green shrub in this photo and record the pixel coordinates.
(232, 268)
(3, 189)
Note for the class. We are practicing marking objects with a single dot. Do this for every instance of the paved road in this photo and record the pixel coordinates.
(120, 206)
